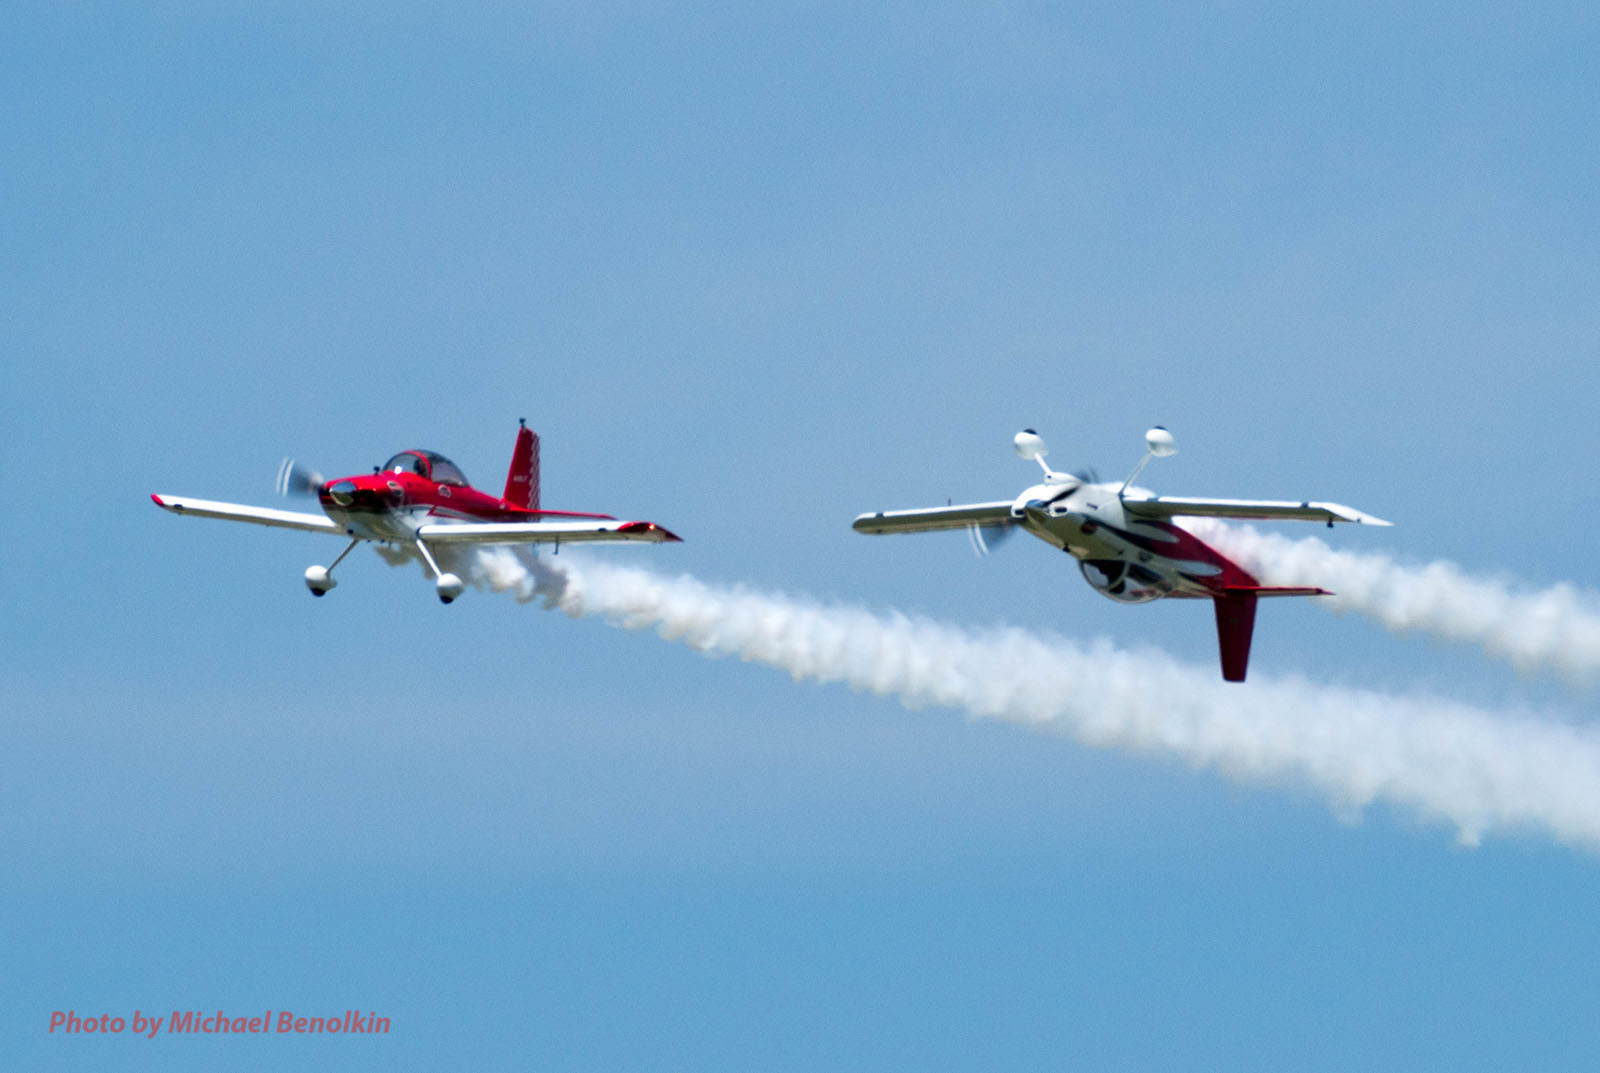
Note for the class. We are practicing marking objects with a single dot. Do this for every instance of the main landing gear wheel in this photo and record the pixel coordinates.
(319, 579)
(449, 587)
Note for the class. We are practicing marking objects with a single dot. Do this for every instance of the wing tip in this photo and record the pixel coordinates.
(650, 531)
(1340, 513)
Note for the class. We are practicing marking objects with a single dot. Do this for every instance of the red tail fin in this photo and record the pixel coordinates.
(1236, 621)
(522, 483)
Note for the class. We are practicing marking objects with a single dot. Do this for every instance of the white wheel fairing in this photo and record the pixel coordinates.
(449, 587)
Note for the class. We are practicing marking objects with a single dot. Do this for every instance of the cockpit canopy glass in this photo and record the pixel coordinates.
(429, 464)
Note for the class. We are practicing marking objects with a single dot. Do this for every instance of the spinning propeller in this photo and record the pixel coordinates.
(986, 538)
(297, 480)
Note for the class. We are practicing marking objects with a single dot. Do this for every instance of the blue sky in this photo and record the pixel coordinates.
(750, 273)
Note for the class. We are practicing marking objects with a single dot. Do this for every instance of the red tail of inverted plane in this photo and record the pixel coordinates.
(1236, 622)
(522, 482)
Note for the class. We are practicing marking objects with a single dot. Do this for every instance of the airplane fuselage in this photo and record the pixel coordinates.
(391, 507)
(1128, 559)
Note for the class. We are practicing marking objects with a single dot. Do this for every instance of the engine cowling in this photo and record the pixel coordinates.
(1122, 581)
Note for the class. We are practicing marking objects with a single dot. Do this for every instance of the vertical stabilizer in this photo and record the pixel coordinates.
(522, 482)
(1236, 621)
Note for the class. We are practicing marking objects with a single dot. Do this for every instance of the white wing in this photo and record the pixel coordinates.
(1280, 510)
(238, 512)
(544, 532)
(960, 516)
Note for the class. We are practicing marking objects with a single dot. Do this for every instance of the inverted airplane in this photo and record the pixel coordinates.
(420, 500)
(1126, 541)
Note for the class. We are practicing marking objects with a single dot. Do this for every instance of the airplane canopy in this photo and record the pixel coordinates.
(429, 464)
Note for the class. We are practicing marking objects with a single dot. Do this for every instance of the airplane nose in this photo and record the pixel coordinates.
(342, 493)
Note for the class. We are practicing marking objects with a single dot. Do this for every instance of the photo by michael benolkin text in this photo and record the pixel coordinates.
(200, 1022)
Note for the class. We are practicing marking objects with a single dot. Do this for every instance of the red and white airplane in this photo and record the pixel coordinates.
(1126, 541)
(420, 500)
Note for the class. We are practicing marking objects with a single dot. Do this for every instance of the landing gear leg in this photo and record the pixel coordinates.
(319, 579)
(447, 585)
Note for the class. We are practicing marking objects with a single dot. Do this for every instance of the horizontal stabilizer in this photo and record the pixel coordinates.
(1277, 590)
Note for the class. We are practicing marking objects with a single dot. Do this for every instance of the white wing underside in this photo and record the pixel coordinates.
(932, 519)
(544, 533)
(239, 512)
(434, 533)
(1264, 509)
(966, 515)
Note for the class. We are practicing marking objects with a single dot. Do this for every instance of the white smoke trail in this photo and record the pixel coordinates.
(511, 569)
(1556, 629)
(515, 570)
(1445, 760)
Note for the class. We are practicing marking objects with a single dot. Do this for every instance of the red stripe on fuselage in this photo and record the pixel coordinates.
(1179, 545)
(397, 493)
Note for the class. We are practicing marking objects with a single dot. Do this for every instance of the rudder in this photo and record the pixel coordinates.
(1236, 622)
(522, 482)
